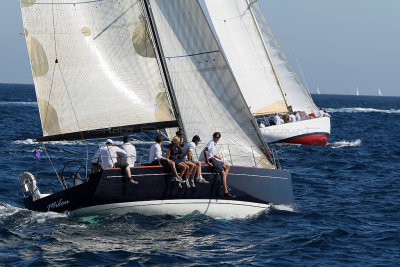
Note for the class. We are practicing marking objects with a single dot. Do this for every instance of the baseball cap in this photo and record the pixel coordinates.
(196, 138)
(109, 141)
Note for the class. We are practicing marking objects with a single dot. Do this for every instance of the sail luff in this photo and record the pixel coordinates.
(161, 59)
(298, 96)
(246, 54)
(267, 51)
(207, 93)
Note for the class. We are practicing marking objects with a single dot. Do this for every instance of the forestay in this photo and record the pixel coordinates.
(207, 94)
(247, 55)
(106, 73)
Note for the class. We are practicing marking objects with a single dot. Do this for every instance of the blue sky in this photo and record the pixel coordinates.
(340, 44)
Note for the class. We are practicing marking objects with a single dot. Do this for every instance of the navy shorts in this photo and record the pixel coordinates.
(218, 165)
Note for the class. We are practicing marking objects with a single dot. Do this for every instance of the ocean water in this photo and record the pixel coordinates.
(346, 212)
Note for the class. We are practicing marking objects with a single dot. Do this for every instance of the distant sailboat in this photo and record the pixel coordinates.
(357, 92)
(318, 92)
(379, 92)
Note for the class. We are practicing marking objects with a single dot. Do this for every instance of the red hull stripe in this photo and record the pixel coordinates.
(319, 139)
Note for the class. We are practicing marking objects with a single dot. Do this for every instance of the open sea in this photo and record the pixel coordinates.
(346, 213)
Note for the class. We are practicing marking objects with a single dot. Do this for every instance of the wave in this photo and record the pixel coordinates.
(11, 103)
(358, 109)
(345, 144)
(283, 207)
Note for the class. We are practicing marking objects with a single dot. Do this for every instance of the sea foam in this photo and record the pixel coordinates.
(358, 109)
(345, 144)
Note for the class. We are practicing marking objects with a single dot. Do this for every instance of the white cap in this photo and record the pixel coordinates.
(109, 141)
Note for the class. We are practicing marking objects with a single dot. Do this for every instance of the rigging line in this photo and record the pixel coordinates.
(54, 168)
(68, 3)
(48, 99)
(197, 54)
(291, 47)
(54, 69)
(70, 101)
(54, 30)
(241, 15)
(59, 67)
(113, 22)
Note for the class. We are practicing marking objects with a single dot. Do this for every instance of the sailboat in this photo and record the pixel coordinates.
(379, 92)
(357, 92)
(263, 73)
(318, 92)
(109, 68)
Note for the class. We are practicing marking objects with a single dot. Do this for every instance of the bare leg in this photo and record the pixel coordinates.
(225, 176)
(224, 184)
(192, 168)
(173, 168)
(129, 175)
(128, 172)
(185, 170)
(198, 171)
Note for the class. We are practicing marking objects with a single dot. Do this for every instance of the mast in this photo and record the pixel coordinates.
(161, 59)
(267, 51)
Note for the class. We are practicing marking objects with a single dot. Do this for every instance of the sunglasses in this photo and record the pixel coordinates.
(217, 137)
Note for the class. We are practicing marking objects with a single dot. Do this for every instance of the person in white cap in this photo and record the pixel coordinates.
(107, 156)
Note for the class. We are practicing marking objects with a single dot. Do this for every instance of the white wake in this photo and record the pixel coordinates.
(363, 110)
(345, 144)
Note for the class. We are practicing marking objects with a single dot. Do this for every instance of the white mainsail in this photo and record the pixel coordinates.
(106, 73)
(208, 97)
(235, 19)
(379, 92)
(357, 92)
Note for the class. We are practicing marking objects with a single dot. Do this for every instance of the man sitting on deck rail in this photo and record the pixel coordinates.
(186, 155)
(107, 157)
(156, 158)
(129, 159)
(209, 156)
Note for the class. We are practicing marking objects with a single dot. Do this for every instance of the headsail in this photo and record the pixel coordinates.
(94, 68)
(208, 96)
(253, 52)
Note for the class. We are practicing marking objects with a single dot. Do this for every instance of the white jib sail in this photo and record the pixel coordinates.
(208, 97)
(106, 75)
(298, 96)
(246, 54)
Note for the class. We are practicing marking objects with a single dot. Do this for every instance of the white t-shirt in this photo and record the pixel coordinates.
(212, 149)
(298, 117)
(155, 152)
(185, 150)
(107, 156)
(292, 118)
(277, 119)
(130, 157)
(262, 125)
